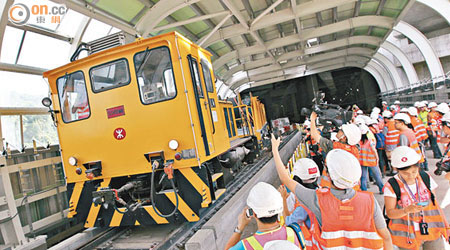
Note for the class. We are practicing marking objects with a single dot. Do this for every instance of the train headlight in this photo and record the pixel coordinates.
(173, 144)
(73, 161)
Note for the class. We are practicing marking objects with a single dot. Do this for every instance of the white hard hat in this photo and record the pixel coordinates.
(383, 102)
(426, 102)
(412, 111)
(376, 110)
(280, 245)
(403, 117)
(421, 105)
(393, 106)
(344, 168)
(364, 129)
(387, 114)
(306, 169)
(359, 112)
(432, 105)
(404, 110)
(352, 132)
(404, 156)
(333, 136)
(443, 108)
(416, 104)
(374, 115)
(265, 200)
(307, 123)
(397, 102)
(446, 117)
(359, 120)
(372, 121)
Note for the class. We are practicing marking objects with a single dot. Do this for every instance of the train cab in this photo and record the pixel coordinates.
(143, 133)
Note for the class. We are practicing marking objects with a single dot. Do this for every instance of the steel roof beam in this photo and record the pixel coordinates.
(41, 32)
(281, 16)
(320, 57)
(4, 19)
(390, 67)
(18, 68)
(377, 77)
(403, 59)
(190, 20)
(440, 6)
(274, 70)
(159, 12)
(424, 45)
(291, 40)
(355, 14)
(384, 73)
(97, 14)
(378, 12)
(199, 12)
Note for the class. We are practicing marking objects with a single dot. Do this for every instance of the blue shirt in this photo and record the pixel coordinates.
(299, 215)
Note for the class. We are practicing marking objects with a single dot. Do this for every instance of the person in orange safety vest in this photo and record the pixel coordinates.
(348, 135)
(306, 172)
(348, 219)
(407, 136)
(416, 220)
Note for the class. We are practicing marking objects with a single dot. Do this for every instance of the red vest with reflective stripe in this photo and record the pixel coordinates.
(263, 238)
(433, 215)
(419, 129)
(351, 149)
(367, 157)
(83, 112)
(392, 134)
(413, 142)
(348, 223)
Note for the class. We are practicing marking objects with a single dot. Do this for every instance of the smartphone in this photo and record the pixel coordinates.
(249, 213)
(423, 203)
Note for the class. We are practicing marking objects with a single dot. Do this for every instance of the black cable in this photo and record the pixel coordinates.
(152, 187)
(21, 204)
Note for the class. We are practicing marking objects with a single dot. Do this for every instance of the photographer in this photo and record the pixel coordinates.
(348, 135)
(264, 205)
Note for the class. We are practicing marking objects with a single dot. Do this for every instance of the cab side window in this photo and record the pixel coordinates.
(73, 97)
(155, 75)
(207, 77)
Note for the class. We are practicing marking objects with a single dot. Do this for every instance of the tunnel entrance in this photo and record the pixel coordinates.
(344, 87)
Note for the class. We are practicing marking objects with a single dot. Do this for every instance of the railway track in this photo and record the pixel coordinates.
(174, 236)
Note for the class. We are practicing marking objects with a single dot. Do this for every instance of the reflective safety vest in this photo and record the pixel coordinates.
(423, 116)
(367, 157)
(403, 231)
(392, 136)
(351, 149)
(419, 129)
(257, 241)
(311, 235)
(413, 142)
(83, 112)
(348, 224)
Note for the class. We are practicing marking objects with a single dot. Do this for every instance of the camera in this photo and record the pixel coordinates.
(331, 116)
(441, 167)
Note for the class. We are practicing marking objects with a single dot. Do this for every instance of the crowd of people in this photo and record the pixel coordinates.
(324, 202)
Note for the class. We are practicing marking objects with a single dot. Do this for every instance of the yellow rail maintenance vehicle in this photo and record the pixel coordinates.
(144, 138)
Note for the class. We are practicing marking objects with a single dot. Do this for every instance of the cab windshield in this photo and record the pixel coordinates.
(73, 97)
